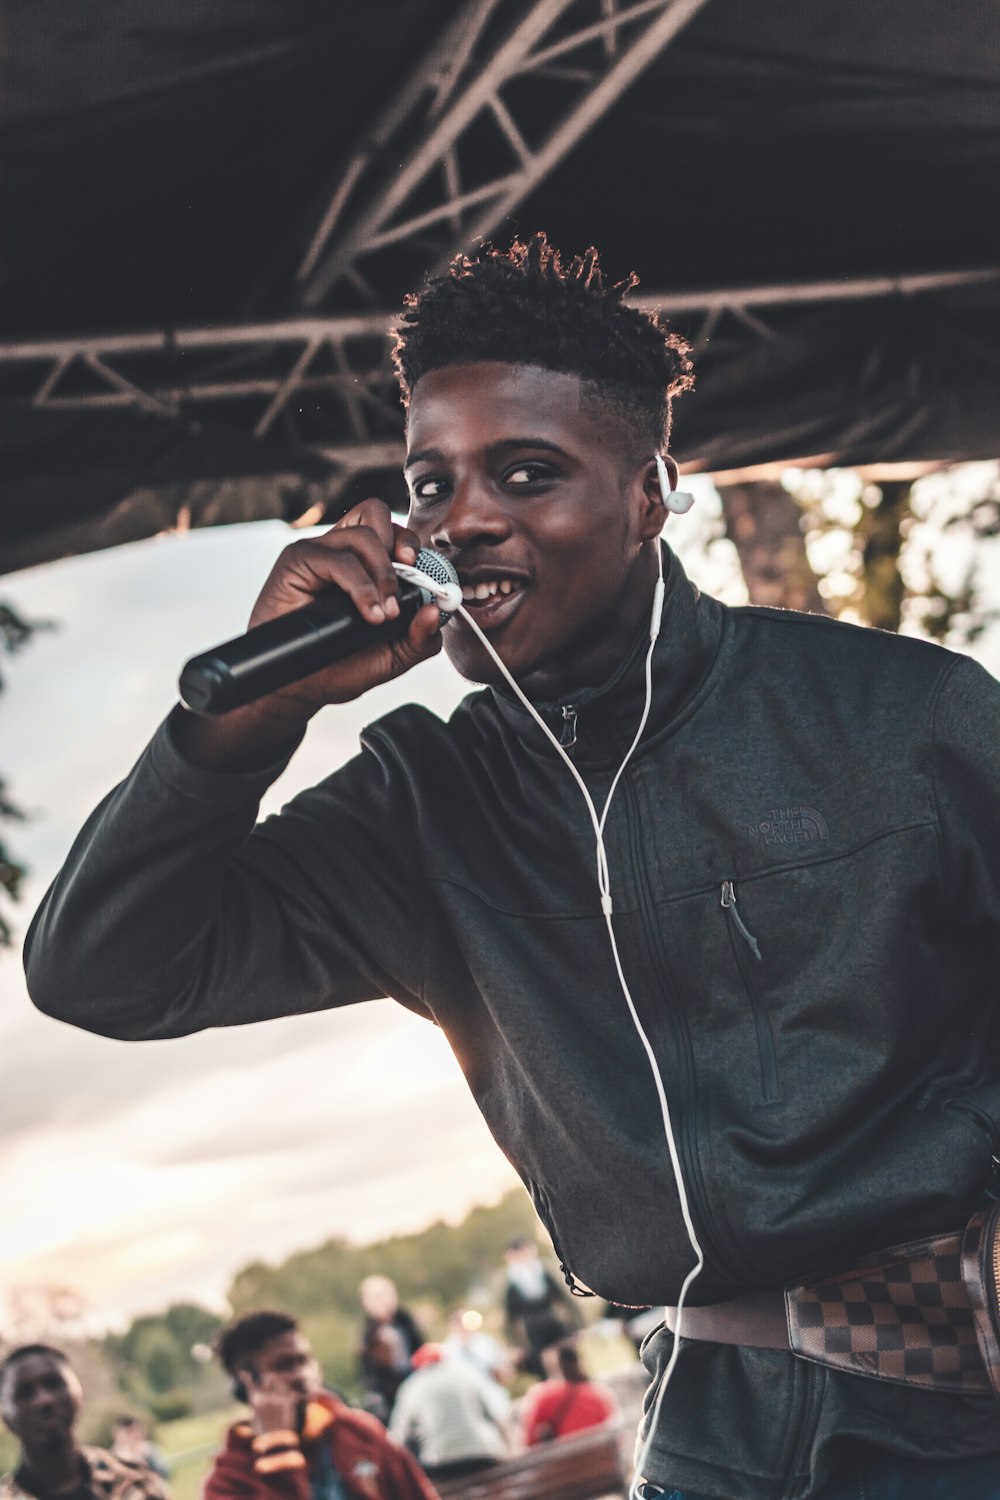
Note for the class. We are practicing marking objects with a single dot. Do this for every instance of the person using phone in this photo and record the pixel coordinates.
(301, 1442)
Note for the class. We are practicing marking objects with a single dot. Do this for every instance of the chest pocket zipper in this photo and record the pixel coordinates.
(745, 945)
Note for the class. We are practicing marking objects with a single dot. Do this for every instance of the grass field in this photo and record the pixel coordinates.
(188, 1445)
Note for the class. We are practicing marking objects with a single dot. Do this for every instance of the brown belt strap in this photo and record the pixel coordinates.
(923, 1314)
(756, 1319)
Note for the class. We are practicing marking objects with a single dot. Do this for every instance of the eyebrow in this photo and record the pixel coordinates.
(504, 445)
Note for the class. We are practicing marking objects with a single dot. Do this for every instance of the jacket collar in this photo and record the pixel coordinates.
(606, 717)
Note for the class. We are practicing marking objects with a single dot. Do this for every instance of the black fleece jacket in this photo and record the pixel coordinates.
(837, 1094)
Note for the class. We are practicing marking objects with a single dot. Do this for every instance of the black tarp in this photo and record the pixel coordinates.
(160, 163)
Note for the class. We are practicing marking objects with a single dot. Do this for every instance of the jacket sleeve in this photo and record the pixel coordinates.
(234, 1477)
(967, 793)
(409, 1482)
(173, 912)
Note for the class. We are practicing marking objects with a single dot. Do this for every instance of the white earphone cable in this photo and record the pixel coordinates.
(604, 886)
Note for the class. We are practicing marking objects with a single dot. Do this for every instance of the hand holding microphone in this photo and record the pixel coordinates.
(294, 645)
(333, 620)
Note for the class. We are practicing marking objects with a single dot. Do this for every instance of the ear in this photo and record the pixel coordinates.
(654, 504)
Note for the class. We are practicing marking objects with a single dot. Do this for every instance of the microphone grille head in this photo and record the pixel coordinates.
(441, 571)
(435, 566)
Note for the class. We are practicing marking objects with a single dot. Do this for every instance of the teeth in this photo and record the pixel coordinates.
(486, 590)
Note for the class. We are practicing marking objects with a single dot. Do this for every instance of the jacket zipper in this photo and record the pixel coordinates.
(541, 1201)
(707, 1225)
(744, 943)
(568, 737)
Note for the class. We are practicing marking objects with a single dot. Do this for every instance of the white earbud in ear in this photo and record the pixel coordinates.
(677, 501)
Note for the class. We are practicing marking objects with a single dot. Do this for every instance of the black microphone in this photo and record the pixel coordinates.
(294, 645)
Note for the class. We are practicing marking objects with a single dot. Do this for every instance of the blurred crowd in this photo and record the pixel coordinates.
(430, 1411)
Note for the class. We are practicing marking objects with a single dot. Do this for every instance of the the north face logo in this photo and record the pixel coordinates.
(789, 825)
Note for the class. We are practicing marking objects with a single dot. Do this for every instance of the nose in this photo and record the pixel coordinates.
(473, 514)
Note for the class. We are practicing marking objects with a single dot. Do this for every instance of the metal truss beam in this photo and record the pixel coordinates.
(326, 380)
(484, 120)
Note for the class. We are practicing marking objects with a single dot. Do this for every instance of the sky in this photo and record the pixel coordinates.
(145, 1173)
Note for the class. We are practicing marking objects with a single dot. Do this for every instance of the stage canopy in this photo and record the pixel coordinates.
(210, 212)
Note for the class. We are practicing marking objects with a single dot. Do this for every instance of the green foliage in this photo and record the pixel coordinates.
(190, 1325)
(189, 1444)
(334, 1338)
(441, 1268)
(156, 1366)
(443, 1265)
(8, 1451)
(170, 1406)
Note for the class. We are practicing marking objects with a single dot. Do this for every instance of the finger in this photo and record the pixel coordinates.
(354, 560)
(406, 544)
(373, 514)
(422, 640)
(371, 536)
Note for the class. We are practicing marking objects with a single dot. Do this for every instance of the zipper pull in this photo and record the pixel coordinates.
(729, 904)
(568, 737)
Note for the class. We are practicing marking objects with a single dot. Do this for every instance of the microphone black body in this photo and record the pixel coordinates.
(288, 648)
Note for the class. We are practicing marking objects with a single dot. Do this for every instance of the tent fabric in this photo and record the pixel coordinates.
(164, 163)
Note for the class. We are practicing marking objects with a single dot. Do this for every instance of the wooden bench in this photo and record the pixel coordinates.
(574, 1468)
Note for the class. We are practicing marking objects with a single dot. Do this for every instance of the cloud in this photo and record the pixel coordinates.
(55, 1073)
(141, 1172)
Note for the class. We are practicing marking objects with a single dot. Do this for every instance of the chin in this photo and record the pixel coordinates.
(477, 667)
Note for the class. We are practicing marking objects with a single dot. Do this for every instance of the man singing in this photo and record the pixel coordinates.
(736, 1027)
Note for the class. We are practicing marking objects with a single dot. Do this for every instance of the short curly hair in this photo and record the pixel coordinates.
(528, 306)
(240, 1340)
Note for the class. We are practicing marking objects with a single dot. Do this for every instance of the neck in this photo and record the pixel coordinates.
(55, 1467)
(595, 662)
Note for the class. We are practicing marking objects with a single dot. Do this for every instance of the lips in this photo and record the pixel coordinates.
(491, 601)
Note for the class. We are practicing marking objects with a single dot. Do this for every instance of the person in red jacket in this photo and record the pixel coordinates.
(301, 1442)
(565, 1403)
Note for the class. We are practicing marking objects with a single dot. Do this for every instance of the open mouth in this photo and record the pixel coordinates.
(490, 601)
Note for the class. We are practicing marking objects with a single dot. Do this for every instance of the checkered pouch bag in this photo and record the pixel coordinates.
(925, 1314)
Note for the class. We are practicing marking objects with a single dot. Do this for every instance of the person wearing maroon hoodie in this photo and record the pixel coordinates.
(301, 1442)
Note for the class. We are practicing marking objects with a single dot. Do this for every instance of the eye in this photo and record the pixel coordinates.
(427, 489)
(528, 473)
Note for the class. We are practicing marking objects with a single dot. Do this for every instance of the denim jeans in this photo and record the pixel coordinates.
(883, 1477)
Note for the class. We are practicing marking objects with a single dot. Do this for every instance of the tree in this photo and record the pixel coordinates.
(889, 546)
(159, 1363)
(764, 523)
